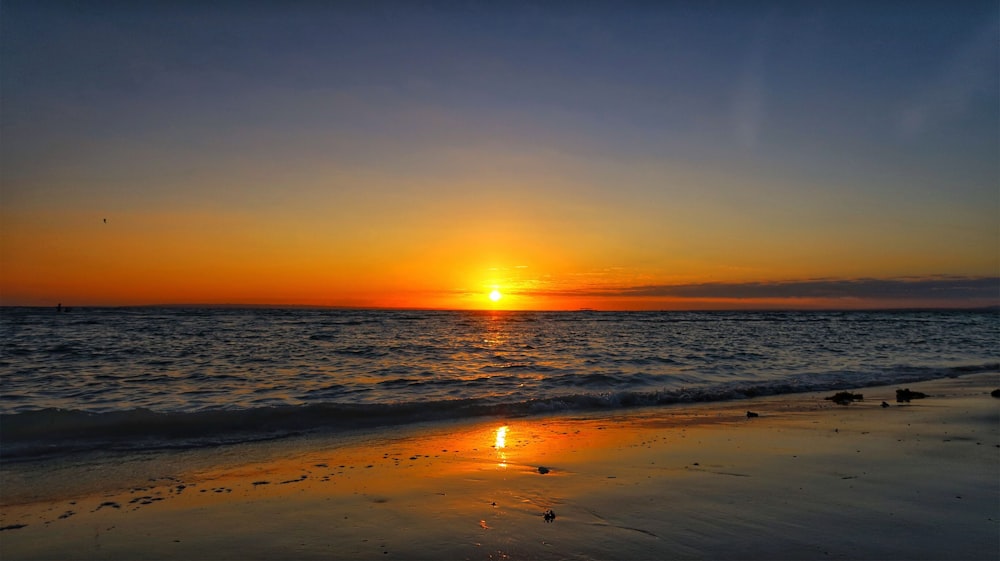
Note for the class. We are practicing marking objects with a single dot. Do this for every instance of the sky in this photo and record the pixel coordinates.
(606, 155)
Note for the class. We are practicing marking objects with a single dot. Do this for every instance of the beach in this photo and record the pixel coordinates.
(805, 479)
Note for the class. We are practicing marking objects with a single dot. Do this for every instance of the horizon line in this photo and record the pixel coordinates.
(273, 306)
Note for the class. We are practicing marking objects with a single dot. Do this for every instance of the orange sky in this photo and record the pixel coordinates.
(666, 161)
(165, 258)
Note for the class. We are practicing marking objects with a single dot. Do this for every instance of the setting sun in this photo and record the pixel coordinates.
(495, 296)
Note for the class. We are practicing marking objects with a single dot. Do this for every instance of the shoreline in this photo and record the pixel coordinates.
(35, 435)
(807, 479)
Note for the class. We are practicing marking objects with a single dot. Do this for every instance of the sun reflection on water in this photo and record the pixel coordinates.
(496, 329)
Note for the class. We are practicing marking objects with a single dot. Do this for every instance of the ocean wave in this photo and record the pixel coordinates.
(60, 431)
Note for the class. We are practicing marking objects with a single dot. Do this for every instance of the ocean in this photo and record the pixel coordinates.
(153, 378)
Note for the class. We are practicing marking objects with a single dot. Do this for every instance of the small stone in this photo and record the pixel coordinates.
(543, 470)
(549, 515)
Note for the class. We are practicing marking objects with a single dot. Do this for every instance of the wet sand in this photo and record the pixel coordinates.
(807, 479)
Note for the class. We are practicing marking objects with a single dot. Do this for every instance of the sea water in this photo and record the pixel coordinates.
(153, 377)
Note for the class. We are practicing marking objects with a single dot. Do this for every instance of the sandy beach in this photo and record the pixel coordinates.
(806, 479)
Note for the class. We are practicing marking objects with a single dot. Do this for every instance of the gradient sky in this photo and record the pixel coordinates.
(613, 155)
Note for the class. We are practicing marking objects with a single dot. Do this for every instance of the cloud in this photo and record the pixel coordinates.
(926, 289)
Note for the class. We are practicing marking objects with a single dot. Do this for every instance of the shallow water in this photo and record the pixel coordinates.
(132, 373)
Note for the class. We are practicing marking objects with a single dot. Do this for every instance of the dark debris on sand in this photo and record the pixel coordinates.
(905, 395)
(845, 398)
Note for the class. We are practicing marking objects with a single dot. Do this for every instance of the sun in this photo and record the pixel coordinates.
(495, 296)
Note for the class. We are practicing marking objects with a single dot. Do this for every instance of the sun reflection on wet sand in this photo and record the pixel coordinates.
(500, 444)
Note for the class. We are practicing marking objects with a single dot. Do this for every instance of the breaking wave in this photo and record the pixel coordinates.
(61, 431)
